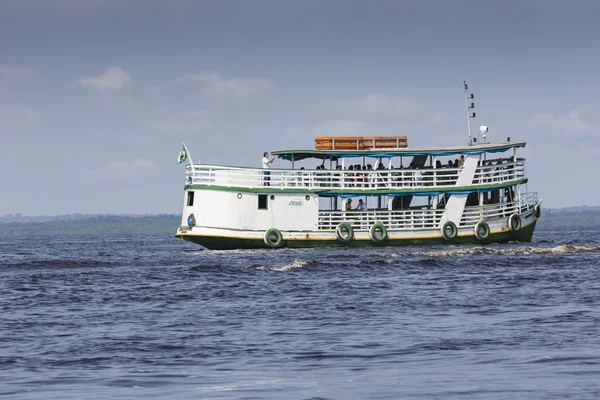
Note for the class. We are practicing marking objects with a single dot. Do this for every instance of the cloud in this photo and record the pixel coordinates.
(582, 121)
(215, 85)
(437, 119)
(18, 119)
(16, 74)
(87, 6)
(113, 79)
(123, 171)
(343, 128)
(592, 150)
(375, 104)
(186, 122)
(64, 7)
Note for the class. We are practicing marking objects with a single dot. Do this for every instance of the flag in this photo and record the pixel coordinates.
(182, 155)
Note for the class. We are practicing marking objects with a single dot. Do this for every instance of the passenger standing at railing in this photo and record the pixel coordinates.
(498, 169)
(381, 174)
(418, 176)
(371, 176)
(350, 176)
(360, 176)
(318, 176)
(338, 176)
(265, 164)
(436, 174)
(490, 171)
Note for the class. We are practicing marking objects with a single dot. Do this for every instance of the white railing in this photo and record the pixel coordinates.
(416, 219)
(363, 220)
(382, 179)
(472, 215)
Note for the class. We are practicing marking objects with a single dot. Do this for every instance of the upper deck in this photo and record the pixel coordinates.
(485, 174)
(490, 175)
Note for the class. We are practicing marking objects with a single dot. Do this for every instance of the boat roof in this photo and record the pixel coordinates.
(398, 152)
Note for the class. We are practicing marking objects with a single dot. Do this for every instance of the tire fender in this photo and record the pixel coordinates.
(514, 223)
(373, 232)
(482, 230)
(273, 233)
(449, 230)
(344, 237)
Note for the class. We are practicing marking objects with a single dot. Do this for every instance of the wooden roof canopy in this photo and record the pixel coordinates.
(360, 142)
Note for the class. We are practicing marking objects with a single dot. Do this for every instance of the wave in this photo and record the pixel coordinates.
(513, 250)
(296, 264)
(52, 264)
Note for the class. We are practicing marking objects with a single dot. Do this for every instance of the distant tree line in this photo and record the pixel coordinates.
(572, 216)
(97, 224)
(100, 224)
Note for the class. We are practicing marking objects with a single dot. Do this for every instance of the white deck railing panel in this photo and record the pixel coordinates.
(367, 180)
(423, 218)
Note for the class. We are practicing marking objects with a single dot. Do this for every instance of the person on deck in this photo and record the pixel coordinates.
(361, 205)
(266, 161)
(349, 205)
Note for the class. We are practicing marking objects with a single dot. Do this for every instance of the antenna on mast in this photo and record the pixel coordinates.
(470, 106)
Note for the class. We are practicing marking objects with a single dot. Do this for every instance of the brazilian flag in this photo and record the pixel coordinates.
(182, 155)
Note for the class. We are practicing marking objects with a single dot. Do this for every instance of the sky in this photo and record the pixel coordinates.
(97, 96)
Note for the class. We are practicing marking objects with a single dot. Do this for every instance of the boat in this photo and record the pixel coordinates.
(368, 191)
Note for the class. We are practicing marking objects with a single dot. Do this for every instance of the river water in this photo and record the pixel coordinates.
(150, 316)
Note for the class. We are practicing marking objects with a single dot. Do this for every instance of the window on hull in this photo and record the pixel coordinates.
(190, 198)
(262, 201)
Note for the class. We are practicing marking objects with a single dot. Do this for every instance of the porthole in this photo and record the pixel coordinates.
(307, 197)
(272, 197)
(239, 196)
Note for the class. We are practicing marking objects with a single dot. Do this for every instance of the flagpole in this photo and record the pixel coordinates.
(189, 155)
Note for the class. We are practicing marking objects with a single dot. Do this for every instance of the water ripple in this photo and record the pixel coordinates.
(150, 316)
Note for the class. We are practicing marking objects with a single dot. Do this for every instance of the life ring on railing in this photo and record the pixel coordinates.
(344, 232)
(449, 230)
(482, 230)
(378, 232)
(273, 238)
(514, 223)
(537, 211)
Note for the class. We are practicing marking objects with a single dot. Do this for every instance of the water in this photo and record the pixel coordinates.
(150, 316)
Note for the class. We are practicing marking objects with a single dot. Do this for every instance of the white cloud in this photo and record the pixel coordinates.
(186, 122)
(113, 79)
(17, 119)
(86, 6)
(343, 128)
(123, 170)
(14, 74)
(583, 121)
(592, 150)
(240, 88)
(375, 104)
(437, 119)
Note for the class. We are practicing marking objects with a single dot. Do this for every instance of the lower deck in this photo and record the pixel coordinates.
(499, 230)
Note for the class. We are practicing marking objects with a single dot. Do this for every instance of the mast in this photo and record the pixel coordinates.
(471, 106)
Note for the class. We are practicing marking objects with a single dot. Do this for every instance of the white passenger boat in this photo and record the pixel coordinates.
(410, 196)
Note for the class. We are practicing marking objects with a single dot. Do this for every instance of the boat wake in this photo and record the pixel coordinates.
(513, 250)
(296, 264)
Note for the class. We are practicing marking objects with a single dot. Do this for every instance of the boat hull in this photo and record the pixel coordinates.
(225, 242)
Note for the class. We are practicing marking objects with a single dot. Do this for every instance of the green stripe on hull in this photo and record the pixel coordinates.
(224, 243)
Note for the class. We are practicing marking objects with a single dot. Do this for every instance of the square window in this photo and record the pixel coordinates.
(262, 201)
